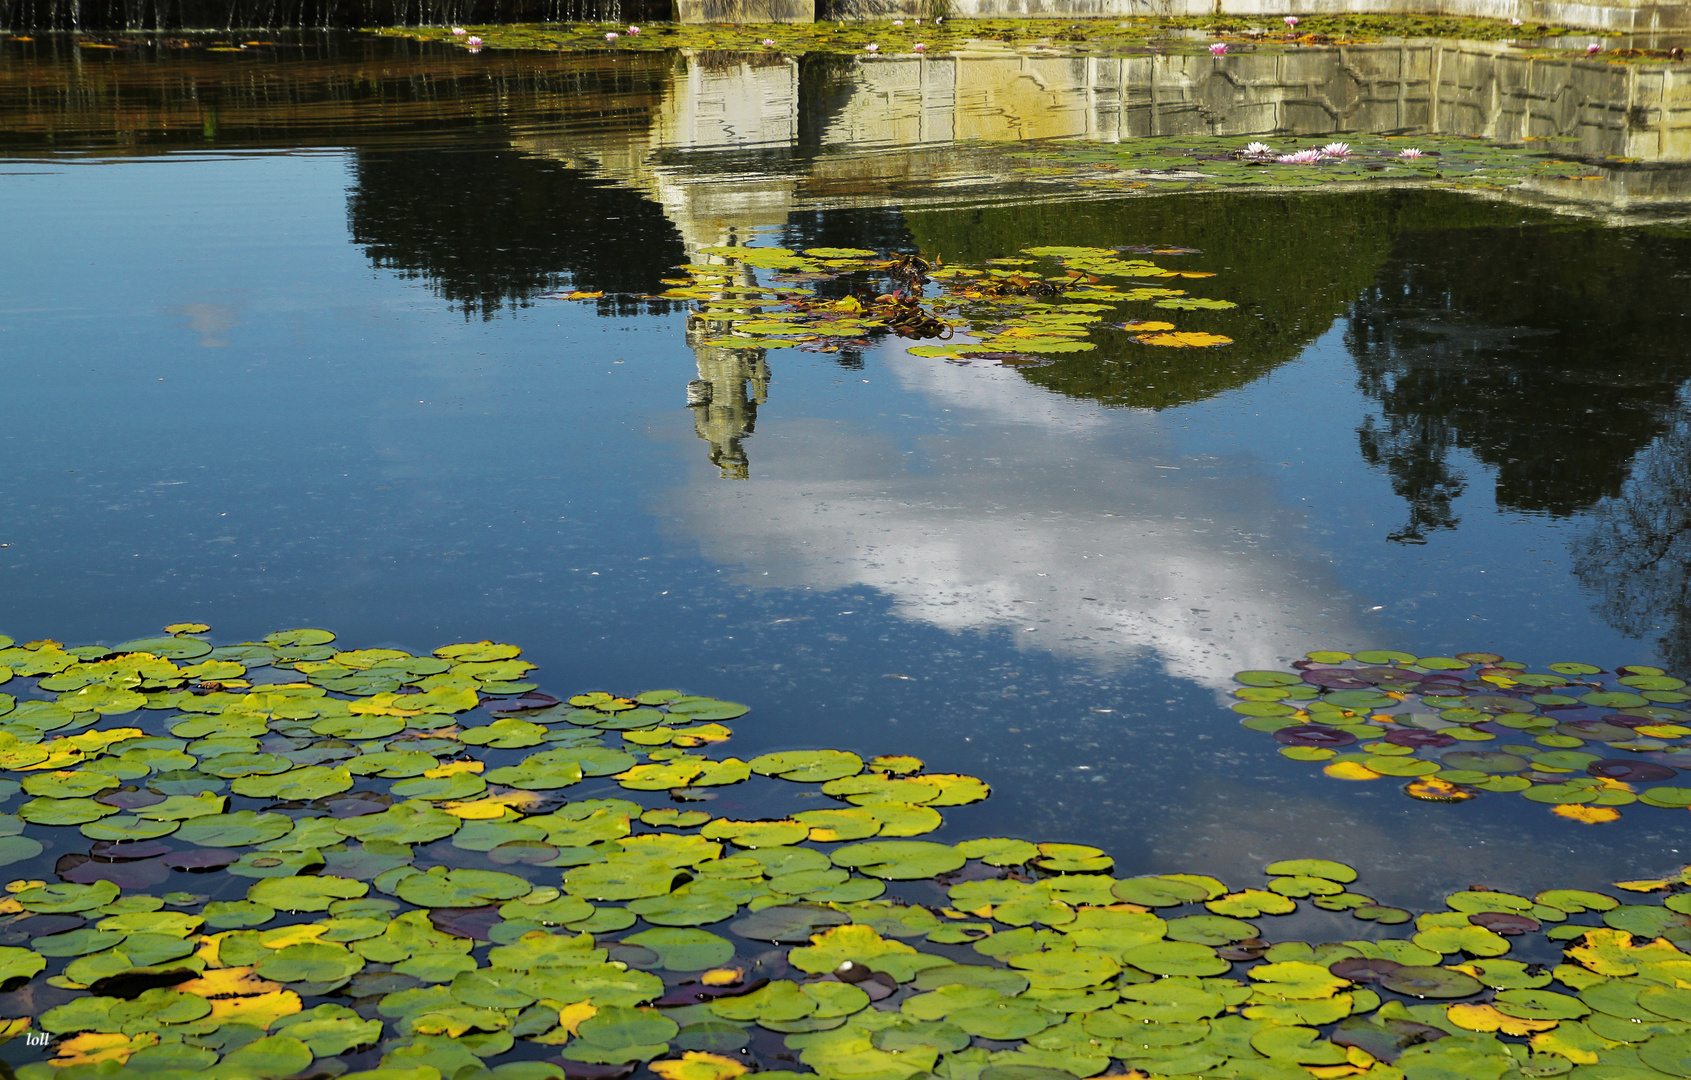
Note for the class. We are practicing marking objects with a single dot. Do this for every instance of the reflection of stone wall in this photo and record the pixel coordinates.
(739, 144)
(1616, 110)
(1631, 16)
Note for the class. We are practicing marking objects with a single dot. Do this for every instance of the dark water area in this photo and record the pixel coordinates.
(277, 354)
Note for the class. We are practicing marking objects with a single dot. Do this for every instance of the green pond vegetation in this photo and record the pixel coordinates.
(1579, 739)
(1021, 314)
(1198, 163)
(423, 865)
(1086, 36)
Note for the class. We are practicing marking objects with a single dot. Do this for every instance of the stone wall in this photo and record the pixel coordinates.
(1618, 16)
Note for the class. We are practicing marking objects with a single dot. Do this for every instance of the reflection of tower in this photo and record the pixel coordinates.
(732, 383)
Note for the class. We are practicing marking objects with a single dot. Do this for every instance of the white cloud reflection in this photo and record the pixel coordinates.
(1080, 530)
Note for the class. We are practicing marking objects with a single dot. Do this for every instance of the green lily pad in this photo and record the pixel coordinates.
(1163, 891)
(998, 851)
(311, 962)
(69, 784)
(402, 823)
(126, 827)
(440, 887)
(899, 860)
(239, 829)
(304, 893)
(1175, 958)
(808, 766)
(64, 811)
(1530, 1004)
(310, 782)
(1431, 982)
(63, 898)
(685, 949)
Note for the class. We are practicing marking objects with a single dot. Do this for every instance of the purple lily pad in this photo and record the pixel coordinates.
(1623, 720)
(1240, 951)
(1416, 737)
(1486, 761)
(1506, 923)
(1442, 679)
(140, 874)
(1596, 731)
(199, 860)
(693, 993)
(581, 1070)
(473, 923)
(1679, 759)
(1336, 679)
(1621, 769)
(125, 799)
(20, 931)
(1386, 676)
(531, 700)
(1313, 735)
(120, 851)
(357, 804)
(635, 956)
(522, 852)
(1362, 969)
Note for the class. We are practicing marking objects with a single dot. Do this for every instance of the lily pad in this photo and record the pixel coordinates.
(1431, 982)
(304, 893)
(239, 829)
(899, 860)
(440, 887)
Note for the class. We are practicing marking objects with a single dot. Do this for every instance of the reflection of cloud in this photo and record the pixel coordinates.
(1055, 520)
(212, 322)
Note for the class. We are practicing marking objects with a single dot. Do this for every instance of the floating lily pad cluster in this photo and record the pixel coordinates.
(1582, 740)
(1195, 163)
(892, 38)
(1042, 302)
(489, 882)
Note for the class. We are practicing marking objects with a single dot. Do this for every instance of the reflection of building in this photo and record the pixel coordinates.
(732, 383)
(738, 143)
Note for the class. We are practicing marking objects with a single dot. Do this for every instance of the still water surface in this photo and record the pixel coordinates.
(276, 355)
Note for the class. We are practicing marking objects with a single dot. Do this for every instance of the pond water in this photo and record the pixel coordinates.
(278, 353)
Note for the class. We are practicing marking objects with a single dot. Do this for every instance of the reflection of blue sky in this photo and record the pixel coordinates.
(1084, 531)
(360, 456)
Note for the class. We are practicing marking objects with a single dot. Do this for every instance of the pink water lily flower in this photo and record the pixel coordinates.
(635, 30)
(611, 36)
(1409, 152)
(898, 22)
(1336, 150)
(1218, 50)
(1593, 49)
(1257, 149)
(459, 31)
(1291, 20)
(474, 43)
(1302, 157)
(1514, 22)
(871, 47)
(768, 41)
(919, 47)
